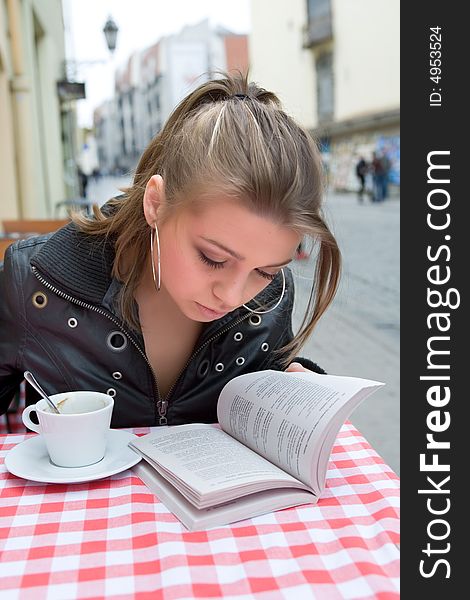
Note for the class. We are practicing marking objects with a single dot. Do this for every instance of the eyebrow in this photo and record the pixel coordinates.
(239, 257)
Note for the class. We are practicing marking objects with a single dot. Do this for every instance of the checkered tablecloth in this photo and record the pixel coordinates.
(112, 538)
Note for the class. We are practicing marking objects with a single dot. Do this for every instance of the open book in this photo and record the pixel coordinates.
(271, 450)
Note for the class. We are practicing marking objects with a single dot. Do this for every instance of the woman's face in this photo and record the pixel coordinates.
(219, 257)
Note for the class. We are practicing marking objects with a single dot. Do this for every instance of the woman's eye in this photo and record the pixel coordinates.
(270, 276)
(212, 263)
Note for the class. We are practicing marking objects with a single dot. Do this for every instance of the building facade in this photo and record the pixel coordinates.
(335, 66)
(33, 121)
(152, 82)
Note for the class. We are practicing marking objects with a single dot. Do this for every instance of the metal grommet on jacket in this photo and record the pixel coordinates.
(116, 341)
(111, 392)
(238, 336)
(240, 360)
(255, 320)
(72, 322)
(219, 367)
(203, 368)
(39, 300)
(117, 375)
(265, 346)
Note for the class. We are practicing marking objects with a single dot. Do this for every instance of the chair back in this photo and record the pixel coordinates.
(4, 243)
(33, 226)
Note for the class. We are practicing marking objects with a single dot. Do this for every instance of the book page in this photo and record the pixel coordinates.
(203, 462)
(287, 416)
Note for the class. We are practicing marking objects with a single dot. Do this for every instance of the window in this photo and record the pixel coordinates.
(325, 87)
(319, 22)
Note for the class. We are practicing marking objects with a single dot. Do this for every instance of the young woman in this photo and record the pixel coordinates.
(181, 283)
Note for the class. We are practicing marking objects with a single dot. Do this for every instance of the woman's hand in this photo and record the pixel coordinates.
(296, 367)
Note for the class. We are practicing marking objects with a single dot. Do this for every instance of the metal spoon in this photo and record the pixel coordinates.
(32, 380)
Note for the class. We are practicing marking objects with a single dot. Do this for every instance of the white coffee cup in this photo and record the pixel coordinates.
(77, 436)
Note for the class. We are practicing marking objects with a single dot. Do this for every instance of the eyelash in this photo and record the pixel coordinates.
(220, 265)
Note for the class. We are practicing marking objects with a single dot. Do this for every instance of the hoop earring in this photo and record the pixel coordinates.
(263, 312)
(156, 280)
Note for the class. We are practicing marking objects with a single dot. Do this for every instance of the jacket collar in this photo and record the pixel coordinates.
(77, 263)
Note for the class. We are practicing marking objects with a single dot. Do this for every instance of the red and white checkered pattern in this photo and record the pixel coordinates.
(112, 538)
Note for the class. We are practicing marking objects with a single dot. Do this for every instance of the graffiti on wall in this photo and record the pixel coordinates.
(390, 145)
(345, 153)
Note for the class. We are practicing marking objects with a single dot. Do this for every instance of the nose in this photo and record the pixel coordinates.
(230, 293)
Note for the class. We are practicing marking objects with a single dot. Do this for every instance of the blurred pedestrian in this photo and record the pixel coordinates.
(361, 172)
(300, 253)
(83, 182)
(386, 166)
(378, 176)
(86, 165)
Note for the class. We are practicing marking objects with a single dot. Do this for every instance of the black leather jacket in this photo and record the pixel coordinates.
(58, 319)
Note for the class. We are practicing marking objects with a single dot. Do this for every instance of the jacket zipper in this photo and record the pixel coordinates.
(196, 352)
(162, 403)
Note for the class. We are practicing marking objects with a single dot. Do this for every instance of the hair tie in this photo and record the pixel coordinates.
(242, 96)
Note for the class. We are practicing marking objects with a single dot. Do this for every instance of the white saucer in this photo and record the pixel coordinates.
(30, 460)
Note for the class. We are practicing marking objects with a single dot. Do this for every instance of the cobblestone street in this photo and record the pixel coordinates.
(360, 334)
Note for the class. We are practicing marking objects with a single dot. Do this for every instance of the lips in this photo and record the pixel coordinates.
(219, 312)
(210, 312)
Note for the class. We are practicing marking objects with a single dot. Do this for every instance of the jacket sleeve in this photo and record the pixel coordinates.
(11, 327)
(287, 335)
(309, 364)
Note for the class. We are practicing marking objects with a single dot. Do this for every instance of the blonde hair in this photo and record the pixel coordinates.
(233, 136)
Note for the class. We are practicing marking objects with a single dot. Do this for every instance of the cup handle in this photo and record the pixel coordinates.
(27, 419)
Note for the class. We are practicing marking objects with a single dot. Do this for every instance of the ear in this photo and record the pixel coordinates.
(154, 198)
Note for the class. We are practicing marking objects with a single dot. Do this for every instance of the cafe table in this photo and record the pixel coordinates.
(112, 538)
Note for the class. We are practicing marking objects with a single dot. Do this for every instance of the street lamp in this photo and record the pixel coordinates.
(71, 67)
(110, 31)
